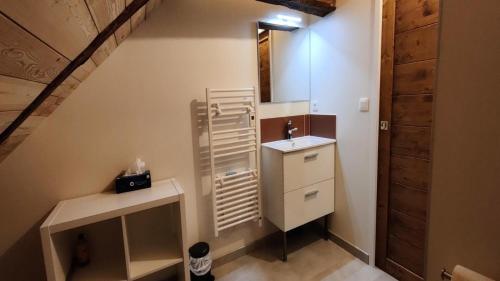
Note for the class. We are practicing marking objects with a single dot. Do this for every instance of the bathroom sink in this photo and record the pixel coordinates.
(299, 143)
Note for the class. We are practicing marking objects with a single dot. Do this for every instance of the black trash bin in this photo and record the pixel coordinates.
(200, 262)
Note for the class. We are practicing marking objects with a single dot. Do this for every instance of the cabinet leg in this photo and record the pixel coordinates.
(325, 228)
(285, 255)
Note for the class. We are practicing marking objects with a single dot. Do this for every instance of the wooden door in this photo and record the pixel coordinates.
(409, 57)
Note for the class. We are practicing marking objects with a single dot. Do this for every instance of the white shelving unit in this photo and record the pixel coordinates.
(132, 235)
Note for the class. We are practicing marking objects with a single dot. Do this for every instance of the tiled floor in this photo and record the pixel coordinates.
(312, 259)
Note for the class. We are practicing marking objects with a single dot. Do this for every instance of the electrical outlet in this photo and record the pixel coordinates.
(315, 106)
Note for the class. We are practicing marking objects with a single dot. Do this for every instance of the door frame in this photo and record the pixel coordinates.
(385, 110)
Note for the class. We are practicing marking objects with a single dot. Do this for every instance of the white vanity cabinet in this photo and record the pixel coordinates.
(298, 181)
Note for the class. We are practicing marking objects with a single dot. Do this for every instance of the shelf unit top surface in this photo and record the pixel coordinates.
(85, 210)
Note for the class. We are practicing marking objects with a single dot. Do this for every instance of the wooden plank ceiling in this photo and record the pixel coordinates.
(39, 39)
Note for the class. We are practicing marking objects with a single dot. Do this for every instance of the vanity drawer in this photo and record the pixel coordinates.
(309, 203)
(307, 167)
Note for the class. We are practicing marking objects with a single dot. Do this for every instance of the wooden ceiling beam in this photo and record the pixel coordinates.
(315, 7)
(81, 59)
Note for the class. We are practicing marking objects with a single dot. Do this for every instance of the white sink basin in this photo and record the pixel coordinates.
(296, 144)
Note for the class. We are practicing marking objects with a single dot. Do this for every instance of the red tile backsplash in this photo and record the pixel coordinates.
(273, 129)
(323, 126)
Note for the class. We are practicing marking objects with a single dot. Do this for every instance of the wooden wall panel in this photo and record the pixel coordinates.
(24, 56)
(415, 78)
(407, 229)
(19, 135)
(410, 201)
(48, 106)
(6, 117)
(416, 45)
(10, 144)
(84, 70)
(414, 69)
(416, 13)
(410, 171)
(29, 125)
(412, 110)
(66, 88)
(401, 273)
(138, 18)
(411, 141)
(104, 51)
(66, 26)
(151, 5)
(406, 255)
(16, 94)
(123, 32)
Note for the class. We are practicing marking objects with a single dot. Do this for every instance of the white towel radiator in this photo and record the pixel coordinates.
(234, 157)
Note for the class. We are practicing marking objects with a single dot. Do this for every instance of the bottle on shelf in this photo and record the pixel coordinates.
(82, 253)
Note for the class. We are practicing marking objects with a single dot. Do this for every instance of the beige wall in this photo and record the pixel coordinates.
(345, 66)
(465, 198)
(140, 102)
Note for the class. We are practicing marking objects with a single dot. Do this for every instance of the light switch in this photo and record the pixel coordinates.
(364, 104)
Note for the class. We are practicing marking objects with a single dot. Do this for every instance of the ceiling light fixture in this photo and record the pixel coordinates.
(285, 20)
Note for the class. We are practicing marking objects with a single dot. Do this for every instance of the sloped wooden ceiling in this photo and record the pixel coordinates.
(39, 39)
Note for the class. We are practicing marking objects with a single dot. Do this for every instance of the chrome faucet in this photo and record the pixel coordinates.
(290, 130)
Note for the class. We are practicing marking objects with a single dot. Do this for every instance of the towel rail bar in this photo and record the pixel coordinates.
(236, 196)
(445, 275)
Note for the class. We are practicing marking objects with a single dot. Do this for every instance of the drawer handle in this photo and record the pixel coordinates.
(311, 193)
(311, 156)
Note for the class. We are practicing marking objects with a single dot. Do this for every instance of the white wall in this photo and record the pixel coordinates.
(271, 110)
(345, 65)
(290, 65)
(140, 102)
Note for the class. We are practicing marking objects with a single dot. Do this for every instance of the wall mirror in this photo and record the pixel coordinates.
(284, 63)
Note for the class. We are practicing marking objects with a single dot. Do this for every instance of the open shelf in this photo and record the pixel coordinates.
(107, 254)
(153, 240)
(139, 235)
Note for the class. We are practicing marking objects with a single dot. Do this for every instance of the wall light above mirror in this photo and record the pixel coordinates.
(284, 54)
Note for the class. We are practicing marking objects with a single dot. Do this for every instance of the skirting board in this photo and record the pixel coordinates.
(353, 250)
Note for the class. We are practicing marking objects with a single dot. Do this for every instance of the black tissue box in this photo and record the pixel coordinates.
(133, 182)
